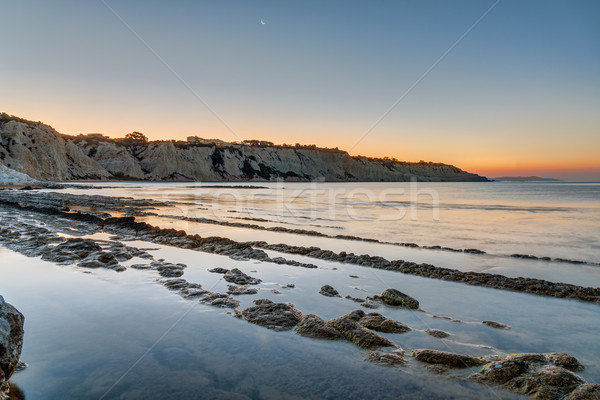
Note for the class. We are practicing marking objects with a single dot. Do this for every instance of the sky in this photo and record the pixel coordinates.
(508, 87)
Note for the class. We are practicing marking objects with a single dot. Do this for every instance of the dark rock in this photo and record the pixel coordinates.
(531, 358)
(175, 284)
(219, 270)
(497, 325)
(313, 326)
(355, 315)
(453, 360)
(224, 302)
(385, 358)
(239, 278)
(503, 371)
(359, 335)
(239, 290)
(378, 322)
(587, 391)
(11, 340)
(395, 297)
(258, 302)
(140, 266)
(329, 291)
(473, 251)
(565, 361)
(437, 333)
(71, 251)
(192, 292)
(276, 316)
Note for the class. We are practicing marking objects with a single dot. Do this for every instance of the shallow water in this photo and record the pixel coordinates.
(94, 334)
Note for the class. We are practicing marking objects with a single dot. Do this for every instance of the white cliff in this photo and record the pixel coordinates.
(41, 152)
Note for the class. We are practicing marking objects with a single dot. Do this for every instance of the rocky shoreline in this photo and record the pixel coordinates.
(44, 226)
(129, 228)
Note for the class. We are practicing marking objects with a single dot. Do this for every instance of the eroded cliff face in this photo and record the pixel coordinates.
(39, 151)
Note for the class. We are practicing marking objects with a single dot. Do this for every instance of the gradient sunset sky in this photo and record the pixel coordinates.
(509, 87)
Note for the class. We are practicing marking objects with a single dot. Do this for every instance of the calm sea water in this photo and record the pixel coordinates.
(101, 334)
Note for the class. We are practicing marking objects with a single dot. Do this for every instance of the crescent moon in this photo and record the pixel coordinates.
(263, 22)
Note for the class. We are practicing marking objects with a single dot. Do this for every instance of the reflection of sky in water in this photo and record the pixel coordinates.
(544, 219)
(84, 330)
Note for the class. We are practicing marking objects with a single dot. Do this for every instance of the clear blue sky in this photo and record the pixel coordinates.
(519, 94)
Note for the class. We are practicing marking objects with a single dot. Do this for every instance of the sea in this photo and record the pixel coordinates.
(99, 334)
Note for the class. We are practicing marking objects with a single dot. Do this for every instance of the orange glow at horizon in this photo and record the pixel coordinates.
(481, 157)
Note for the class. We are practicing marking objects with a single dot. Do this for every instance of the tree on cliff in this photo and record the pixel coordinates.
(137, 137)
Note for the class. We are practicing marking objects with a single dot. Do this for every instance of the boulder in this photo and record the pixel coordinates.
(329, 291)
(276, 316)
(550, 382)
(447, 358)
(11, 340)
(239, 278)
(395, 297)
(505, 370)
(313, 326)
(566, 361)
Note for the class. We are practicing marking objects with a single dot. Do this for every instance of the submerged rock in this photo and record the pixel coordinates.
(437, 333)
(313, 326)
(378, 322)
(359, 335)
(329, 291)
(276, 316)
(497, 325)
(447, 358)
(386, 358)
(239, 278)
(11, 341)
(395, 297)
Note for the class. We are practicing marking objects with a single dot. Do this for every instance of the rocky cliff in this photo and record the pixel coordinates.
(41, 152)
(11, 342)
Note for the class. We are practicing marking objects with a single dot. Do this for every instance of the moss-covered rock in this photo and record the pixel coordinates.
(547, 383)
(586, 391)
(395, 297)
(566, 361)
